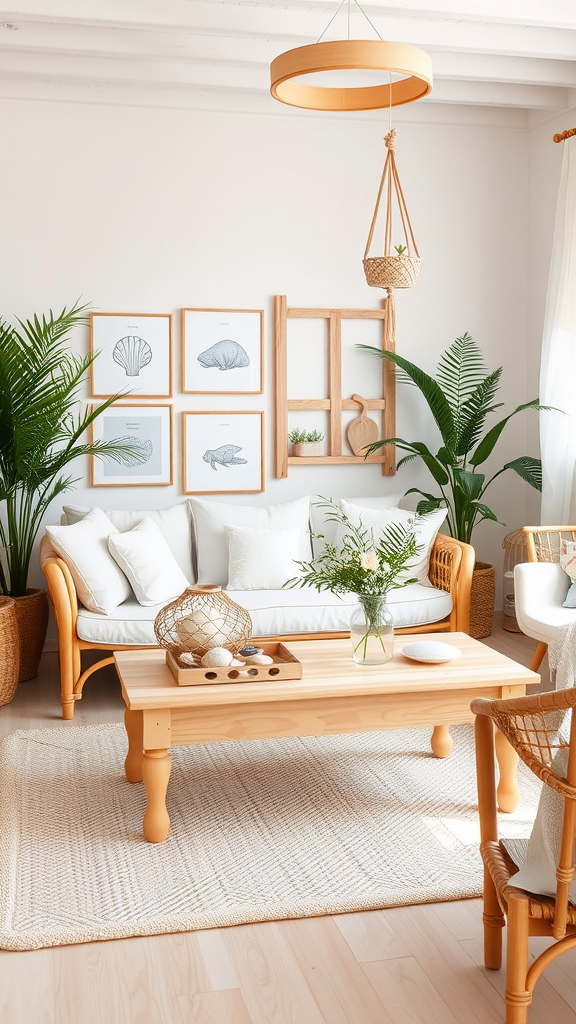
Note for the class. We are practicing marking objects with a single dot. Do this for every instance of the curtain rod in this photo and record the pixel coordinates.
(565, 135)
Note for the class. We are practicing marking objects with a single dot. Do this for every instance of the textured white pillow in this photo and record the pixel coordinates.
(174, 523)
(211, 518)
(145, 558)
(100, 583)
(378, 519)
(261, 559)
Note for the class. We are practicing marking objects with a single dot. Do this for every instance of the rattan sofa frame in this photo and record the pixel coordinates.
(543, 545)
(451, 567)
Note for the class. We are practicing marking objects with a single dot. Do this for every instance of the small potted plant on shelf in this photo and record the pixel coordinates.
(306, 442)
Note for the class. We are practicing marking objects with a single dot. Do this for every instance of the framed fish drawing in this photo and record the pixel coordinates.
(146, 429)
(223, 351)
(133, 354)
(223, 452)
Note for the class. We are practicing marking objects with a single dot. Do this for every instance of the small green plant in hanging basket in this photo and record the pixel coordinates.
(399, 269)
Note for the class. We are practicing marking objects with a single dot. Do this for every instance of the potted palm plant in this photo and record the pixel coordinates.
(461, 398)
(41, 429)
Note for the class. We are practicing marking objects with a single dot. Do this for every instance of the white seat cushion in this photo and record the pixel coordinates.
(539, 590)
(273, 612)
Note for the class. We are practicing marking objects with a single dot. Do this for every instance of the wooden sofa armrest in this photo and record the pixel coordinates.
(451, 568)
(61, 590)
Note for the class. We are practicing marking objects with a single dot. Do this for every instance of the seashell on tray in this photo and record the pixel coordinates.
(224, 355)
(132, 354)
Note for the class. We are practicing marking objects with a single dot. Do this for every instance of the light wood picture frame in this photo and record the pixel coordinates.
(223, 452)
(149, 425)
(134, 354)
(222, 351)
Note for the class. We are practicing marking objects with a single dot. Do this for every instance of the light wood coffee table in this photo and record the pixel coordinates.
(334, 696)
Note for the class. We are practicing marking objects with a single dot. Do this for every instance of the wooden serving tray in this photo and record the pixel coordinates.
(285, 666)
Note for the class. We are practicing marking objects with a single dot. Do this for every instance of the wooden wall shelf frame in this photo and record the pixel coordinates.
(334, 404)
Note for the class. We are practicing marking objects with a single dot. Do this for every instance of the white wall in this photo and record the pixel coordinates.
(149, 210)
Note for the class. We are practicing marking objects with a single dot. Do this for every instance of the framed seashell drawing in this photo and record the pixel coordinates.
(223, 351)
(132, 351)
(223, 452)
(147, 433)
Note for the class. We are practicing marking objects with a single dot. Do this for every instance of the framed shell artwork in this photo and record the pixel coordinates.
(223, 452)
(134, 354)
(222, 351)
(146, 429)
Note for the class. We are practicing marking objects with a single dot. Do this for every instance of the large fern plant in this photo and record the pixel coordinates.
(461, 398)
(41, 429)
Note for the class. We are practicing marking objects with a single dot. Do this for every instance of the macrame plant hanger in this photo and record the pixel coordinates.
(392, 270)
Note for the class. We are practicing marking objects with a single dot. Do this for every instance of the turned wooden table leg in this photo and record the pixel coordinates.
(441, 741)
(156, 772)
(507, 793)
(134, 729)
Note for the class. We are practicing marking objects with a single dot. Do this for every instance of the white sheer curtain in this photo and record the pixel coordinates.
(558, 365)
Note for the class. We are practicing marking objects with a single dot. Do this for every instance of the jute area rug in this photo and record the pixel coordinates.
(260, 830)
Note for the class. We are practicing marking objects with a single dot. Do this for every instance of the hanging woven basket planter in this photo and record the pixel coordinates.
(392, 270)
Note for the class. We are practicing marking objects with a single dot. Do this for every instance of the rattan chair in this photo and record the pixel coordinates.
(540, 589)
(531, 727)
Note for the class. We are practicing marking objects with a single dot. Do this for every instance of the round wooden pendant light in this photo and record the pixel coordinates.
(412, 64)
(351, 55)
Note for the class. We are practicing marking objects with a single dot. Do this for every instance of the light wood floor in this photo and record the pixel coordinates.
(410, 965)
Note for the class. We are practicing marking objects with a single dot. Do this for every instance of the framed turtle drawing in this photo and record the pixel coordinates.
(223, 452)
(144, 428)
(134, 354)
(223, 351)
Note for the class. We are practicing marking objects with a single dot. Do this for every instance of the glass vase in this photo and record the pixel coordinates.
(372, 630)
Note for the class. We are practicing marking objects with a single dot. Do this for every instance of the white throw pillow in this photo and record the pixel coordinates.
(174, 523)
(100, 583)
(379, 519)
(145, 558)
(262, 559)
(211, 518)
(329, 531)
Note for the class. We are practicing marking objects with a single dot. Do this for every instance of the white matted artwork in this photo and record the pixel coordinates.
(134, 354)
(223, 452)
(144, 427)
(222, 351)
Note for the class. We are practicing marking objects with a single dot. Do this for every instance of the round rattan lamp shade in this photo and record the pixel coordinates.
(351, 55)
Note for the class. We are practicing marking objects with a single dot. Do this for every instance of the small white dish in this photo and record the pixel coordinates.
(431, 651)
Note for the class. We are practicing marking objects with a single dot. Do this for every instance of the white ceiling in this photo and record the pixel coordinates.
(493, 53)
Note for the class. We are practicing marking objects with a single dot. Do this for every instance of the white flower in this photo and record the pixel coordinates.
(369, 560)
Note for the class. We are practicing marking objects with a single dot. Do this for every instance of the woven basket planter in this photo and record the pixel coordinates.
(305, 449)
(391, 271)
(32, 617)
(9, 651)
(482, 595)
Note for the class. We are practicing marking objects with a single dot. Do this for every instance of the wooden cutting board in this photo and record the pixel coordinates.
(362, 431)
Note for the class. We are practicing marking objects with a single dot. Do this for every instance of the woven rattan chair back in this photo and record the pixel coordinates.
(531, 725)
(543, 542)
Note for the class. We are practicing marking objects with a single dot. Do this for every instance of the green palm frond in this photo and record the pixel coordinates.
(460, 370)
(41, 428)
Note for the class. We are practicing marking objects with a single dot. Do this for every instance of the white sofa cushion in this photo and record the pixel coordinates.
(145, 558)
(211, 518)
(378, 520)
(262, 559)
(273, 612)
(174, 524)
(100, 583)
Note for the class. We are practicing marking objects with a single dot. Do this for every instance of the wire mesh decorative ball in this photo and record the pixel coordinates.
(202, 618)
